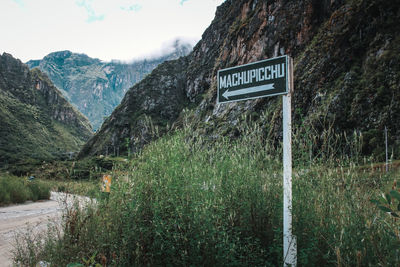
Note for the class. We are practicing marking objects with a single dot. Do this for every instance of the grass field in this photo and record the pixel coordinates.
(185, 201)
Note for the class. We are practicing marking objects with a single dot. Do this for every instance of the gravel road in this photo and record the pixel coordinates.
(31, 215)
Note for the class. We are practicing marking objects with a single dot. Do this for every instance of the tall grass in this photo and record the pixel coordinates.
(184, 201)
(18, 190)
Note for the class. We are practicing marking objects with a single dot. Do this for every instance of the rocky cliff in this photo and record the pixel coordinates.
(96, 87)
(36, 121)
(347, 74)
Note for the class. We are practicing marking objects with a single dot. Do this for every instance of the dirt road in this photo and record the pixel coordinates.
(19, 218)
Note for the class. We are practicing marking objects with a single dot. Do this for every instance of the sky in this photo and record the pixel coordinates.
(105, 29)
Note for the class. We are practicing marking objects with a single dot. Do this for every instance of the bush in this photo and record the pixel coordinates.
(18, 190)
(89, 168)
(19, 193)
(4, 194)
(39, 190)
(194, 204)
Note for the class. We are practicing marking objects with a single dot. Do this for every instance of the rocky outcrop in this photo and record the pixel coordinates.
(147, 111)
(96, 87)
(36, 121)
(346, 56)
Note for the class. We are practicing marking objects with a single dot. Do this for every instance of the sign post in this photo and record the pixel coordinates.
(289, 240)
(261, 79)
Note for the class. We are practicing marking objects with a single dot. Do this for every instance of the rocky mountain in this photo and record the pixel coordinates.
(36, 121)
(96, 87)
(347, 76)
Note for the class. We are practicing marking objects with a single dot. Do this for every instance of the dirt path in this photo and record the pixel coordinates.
(19, 218)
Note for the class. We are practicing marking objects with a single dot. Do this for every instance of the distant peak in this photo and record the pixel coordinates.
(60, 54)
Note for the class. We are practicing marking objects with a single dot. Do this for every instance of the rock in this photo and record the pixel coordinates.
(347, 69)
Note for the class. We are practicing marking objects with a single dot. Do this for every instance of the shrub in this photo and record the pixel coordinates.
(185, 203)
(39, 190)
(18, 190)
(4, 194)
(19, 193)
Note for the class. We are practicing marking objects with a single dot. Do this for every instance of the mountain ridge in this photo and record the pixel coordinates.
(37, 122)
(94, 86)
(341, 51)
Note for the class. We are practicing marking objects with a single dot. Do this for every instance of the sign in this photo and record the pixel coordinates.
(106, 185)
(259, 79)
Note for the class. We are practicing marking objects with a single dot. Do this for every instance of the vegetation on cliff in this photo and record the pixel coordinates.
(346, 56)
(36, 122)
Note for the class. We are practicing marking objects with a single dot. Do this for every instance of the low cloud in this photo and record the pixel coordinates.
(183, 1)
(166, 48)
(20, 2)
(92, 16)
(133, 8)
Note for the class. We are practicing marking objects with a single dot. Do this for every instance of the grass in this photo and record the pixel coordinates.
(82, 188)
(18, 190)
(15, 189)
(187, 202)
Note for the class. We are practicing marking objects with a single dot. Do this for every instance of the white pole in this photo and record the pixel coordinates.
(289, 241)
(386, 150)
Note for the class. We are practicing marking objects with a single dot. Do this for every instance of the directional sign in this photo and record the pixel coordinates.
(259, 79)
(267, 78)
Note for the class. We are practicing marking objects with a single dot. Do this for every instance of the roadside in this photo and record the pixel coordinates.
(34, 215)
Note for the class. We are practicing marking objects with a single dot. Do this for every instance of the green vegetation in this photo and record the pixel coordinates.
(18, 190)
(82, 188)
(76, 177)
(37, 123)
(187, 202)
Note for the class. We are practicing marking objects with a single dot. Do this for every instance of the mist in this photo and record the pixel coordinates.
(165, 49)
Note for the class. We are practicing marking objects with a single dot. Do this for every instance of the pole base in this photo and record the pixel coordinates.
(290, 251)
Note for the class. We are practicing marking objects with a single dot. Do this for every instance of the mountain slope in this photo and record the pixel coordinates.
(97, 87)
(347, 76)
(36, 121)
(149, 108)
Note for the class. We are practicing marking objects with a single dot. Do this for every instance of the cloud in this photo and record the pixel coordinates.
(134, 8)
(20, 2)
(92, 16)
(165, 49)
(183, 1)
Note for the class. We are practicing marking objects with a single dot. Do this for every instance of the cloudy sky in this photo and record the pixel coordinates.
(105, 29)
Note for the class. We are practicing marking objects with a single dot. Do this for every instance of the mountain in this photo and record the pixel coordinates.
(347, 77)
(96, 87)
(36, 121)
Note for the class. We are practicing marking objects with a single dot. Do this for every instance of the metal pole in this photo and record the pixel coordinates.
(386, 150)
(289, 241)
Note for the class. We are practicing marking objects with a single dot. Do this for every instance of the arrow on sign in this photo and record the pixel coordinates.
(250, 90)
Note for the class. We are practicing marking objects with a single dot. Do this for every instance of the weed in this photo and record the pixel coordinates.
(18, 190)
(185, 201)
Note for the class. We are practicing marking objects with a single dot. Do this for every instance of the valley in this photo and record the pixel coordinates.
(95, 87)
(197, 181)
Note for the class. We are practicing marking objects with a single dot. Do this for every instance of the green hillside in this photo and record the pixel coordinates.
(36, 122)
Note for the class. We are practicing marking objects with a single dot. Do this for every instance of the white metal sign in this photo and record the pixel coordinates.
(260, 79)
